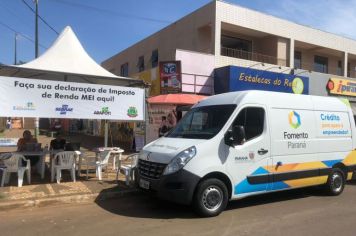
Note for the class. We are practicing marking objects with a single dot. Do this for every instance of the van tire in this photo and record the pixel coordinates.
(336, 182)
(210, 198)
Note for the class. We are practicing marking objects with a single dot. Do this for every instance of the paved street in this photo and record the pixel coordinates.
(297, 212)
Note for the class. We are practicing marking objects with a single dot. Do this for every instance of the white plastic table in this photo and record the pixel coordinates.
(115, 153)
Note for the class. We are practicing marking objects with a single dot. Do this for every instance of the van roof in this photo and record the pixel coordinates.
(278, 100)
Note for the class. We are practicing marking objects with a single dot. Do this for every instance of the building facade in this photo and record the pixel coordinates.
(221, 35)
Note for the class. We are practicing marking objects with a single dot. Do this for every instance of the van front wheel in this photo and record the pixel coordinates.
(336, 182)
(210, 198)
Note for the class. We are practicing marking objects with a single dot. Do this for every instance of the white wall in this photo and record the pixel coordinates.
(198, 69)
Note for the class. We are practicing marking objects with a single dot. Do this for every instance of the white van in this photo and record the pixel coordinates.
(237, 144)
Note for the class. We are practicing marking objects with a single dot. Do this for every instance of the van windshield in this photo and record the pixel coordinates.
(202, 122)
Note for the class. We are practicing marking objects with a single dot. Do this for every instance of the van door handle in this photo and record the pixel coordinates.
(262, 151)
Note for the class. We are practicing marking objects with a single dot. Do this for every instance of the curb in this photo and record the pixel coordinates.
(79, 198)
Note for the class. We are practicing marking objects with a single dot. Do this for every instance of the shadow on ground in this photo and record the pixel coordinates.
(145, 205)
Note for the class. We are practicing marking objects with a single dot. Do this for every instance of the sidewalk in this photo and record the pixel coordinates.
(43, 192)
(36, 195)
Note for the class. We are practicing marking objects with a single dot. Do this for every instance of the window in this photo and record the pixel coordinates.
(348, 70)
(202, 122)
(154, 58)
(297, 59)
(339, 68)
(252, 119)
(141, 64)
(236, 47)
(124, 69)
(321, 64)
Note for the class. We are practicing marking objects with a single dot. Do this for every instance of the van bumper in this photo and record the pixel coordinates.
(177, 187)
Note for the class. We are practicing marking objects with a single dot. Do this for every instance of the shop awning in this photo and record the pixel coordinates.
(176, 99)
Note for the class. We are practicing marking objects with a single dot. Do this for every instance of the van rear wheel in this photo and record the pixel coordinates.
(336, 182)
(210, 198)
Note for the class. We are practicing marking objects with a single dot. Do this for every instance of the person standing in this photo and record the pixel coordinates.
(163, 129)
(172, 119)
(8, 124)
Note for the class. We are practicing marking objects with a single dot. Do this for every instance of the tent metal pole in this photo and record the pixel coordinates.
(106, 133)
(37, 120)
(147, 92)
(37, 127)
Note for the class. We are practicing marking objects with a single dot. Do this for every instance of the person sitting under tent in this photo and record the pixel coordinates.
(58, 143)
(23, 144)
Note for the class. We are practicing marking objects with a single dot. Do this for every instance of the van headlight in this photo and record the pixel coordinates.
(180, 160)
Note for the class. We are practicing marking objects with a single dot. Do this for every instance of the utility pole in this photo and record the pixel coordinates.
(15, 56)
(37, 119)
(36, 30)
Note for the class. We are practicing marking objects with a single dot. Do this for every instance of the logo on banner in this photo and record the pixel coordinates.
(103, 111)
(64, 109)
(29, 106)
(132, 112)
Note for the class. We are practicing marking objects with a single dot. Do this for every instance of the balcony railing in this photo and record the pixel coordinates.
(252, 56)
(331, 70)
(197, 84)
(351, 73)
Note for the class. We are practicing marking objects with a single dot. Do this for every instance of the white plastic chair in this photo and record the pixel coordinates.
(63, 161)
(14, 165)
(128, 169)
(103, 161)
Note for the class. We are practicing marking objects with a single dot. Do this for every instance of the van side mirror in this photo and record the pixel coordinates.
(239, 134)
(236, 136)
(228, 139)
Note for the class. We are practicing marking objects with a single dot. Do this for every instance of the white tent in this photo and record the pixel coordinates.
(67, 60)
(68, 55)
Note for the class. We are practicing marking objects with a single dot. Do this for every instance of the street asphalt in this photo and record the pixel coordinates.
(297, 212)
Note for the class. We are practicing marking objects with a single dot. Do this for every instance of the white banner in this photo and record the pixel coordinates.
(8, 142)
(21, 97)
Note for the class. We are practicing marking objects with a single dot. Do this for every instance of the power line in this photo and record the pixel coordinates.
(14, 14)
(23, 35)
(119, 14)
(43, 20)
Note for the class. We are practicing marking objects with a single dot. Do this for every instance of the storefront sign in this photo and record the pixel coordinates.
(171, 77)
(341, 86)
(242, 78)
(21, 97)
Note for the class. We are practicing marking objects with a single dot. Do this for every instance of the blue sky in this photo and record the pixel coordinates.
(105, 27)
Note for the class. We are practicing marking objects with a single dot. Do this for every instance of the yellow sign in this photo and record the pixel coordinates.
(297, 85)
(341, 86)
(150, 76)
